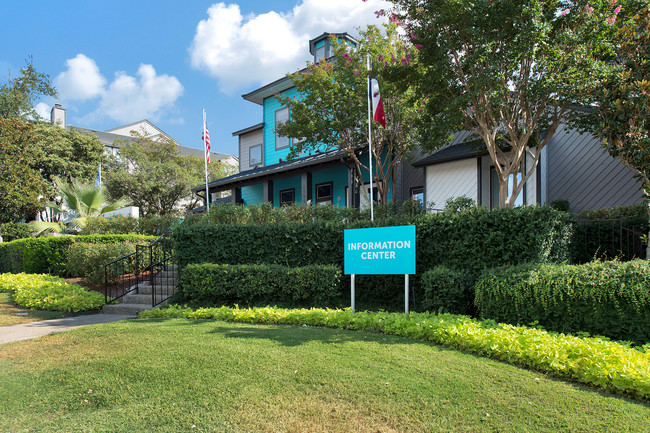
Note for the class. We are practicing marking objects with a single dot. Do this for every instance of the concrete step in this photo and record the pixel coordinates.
(131, 309)
(137, 298)
(165, 288)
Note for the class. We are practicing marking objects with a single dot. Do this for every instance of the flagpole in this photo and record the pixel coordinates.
(369, 98)
(205, 160)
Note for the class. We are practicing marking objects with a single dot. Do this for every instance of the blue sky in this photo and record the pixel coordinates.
(117, 62)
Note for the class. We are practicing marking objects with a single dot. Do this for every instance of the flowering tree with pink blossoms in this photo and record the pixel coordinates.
(332, 110)
(512, 72)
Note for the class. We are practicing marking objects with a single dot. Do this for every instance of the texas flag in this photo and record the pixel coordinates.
(377, 105)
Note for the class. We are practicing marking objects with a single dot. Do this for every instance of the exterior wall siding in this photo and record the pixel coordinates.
(294, 183)
(339, 178)
(253, 194)
(582, 172)
(246, 141)
(451, 179)
(271, 105)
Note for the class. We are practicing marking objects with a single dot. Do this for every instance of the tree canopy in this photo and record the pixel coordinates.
(17, 95)
(332, 109)
(508, 71)
(156, 177)
(622, 104)
(68, 154)
(22, 189)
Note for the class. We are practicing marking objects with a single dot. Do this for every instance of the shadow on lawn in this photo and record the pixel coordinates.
(291, 335)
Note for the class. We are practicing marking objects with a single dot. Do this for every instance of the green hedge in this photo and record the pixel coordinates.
(46, 292)
(448, 291)
(151, 225)
(604, 364)
(50, 254)
(87, 260)
(215, 285)
(602, 298)
(473, 239)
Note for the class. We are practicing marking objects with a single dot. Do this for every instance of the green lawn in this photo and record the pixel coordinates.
(10, 314)
(179, 375)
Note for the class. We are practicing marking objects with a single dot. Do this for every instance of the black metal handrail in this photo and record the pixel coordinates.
(126, 274)
(121, 276)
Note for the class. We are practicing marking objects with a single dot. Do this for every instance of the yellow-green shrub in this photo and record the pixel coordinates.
(45, 292)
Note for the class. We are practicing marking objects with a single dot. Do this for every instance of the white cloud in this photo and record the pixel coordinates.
(239, 51)
(128, 99)
(81, 81)
(43, 110)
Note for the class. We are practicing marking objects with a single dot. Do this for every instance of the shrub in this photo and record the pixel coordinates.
(87, 260)
(49, 254)
(603, 298)
(45, 292)
(448, 291)
(212, 284)
(560, 204)
(473, 240)
(151, 225)
(459, 204)
(604, 364)
(639, 210)
(13, 231)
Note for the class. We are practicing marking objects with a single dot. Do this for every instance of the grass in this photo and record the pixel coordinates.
(180, 375)
(10, 314)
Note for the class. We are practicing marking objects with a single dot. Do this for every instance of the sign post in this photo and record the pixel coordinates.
(380, 251)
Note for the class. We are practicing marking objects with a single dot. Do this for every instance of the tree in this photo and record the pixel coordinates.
(622, 104)
(82, 200)
(332, 111)
(509, 71)
(22, 189)
(70, 154)
(18, 95)
(156, 177)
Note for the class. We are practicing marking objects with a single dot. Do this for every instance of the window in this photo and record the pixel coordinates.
(287, 197)
(320, 53)
(494, 189)
(255, 155)
(417, 194)
(281, 116)
(324, 193)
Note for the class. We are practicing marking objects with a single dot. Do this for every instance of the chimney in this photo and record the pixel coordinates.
(57, 116)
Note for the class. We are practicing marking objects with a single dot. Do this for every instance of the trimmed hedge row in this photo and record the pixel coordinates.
(473, 239)
(602, 298)
(448, 291)
(210, 284)
(50, 254)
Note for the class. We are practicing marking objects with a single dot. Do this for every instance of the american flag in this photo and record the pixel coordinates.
(206, 140)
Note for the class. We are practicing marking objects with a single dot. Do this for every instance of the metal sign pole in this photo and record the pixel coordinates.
(352, 290)
(406, 293)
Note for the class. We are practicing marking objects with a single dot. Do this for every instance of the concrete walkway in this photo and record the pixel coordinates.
(26, 331)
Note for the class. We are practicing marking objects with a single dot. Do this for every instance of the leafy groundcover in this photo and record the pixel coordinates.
(605, 364)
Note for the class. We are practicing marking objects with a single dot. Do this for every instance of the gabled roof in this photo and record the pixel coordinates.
(453, 152)
(249, 129)
(289, 168)
(258, 96)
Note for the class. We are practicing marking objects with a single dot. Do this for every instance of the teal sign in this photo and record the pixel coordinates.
(379, 251)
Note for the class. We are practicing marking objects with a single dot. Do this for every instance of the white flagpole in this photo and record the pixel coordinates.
(205, 160)
(369, 98)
